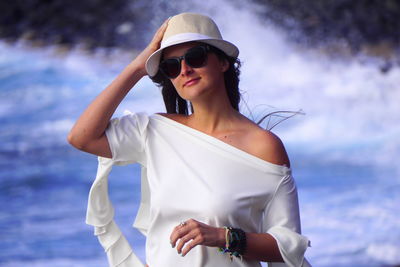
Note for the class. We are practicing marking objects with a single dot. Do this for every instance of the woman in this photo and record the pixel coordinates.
(215, 178)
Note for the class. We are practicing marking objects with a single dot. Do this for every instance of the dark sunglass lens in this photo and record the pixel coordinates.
(171, 67)
(196, 57)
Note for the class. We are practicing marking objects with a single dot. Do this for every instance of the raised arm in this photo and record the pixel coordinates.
(88, 133)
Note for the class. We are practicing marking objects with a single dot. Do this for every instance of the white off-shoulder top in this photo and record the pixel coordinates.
(189, 174)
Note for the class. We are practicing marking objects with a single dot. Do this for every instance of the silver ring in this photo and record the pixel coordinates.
(182, 224)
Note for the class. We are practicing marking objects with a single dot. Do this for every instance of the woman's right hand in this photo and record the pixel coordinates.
(151, 47)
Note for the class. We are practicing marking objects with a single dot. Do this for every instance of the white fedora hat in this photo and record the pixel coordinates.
(189, 27)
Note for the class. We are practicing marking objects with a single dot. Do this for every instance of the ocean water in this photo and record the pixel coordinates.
(343, 151)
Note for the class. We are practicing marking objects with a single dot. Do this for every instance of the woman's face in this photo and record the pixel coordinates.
(197, 83)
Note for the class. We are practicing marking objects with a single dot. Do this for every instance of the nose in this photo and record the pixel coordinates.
(185, 68)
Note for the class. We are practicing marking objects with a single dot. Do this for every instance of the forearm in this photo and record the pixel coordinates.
(262, 247)
(94, 120)
(259, 246)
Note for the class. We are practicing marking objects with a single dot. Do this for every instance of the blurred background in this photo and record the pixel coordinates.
(337, 61)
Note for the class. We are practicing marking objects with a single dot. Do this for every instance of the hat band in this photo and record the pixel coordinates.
(185, 37)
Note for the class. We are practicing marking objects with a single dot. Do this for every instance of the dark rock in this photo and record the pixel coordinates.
(94, 23)
(358, 23)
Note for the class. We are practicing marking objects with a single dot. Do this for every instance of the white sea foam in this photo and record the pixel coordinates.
(386, 253)
(350, 225)
(54, 127)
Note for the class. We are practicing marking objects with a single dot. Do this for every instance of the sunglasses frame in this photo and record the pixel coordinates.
(206, 48)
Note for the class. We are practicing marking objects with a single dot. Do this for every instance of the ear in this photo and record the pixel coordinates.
(224, 65)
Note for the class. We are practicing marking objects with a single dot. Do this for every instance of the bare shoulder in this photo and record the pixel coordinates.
(267, 146)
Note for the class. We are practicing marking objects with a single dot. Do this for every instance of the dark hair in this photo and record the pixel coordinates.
(176, 104)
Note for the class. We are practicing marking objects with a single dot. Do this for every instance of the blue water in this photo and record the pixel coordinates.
(344, 150)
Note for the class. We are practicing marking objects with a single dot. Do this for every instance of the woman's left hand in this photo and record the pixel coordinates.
(192, 233)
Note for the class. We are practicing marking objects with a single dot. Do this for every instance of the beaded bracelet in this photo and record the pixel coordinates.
(235, 242)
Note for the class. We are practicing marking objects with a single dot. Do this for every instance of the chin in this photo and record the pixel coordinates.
(193, 93)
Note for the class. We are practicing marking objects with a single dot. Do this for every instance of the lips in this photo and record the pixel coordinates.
(191, 82)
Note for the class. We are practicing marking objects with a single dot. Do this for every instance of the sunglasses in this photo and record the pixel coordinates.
(195, 57)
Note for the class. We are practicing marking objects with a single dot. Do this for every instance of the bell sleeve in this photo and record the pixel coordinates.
(127, 140)
(282, 221)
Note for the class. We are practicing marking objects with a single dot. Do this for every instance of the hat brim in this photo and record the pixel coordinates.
(154, 60)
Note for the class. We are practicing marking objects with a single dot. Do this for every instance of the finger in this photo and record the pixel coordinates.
(182, 241)
(178, 232)
(192, 228)
(160, 32)
(197, 241)
(165, 23)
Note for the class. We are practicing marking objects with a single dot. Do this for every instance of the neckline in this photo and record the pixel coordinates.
(237, 151)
